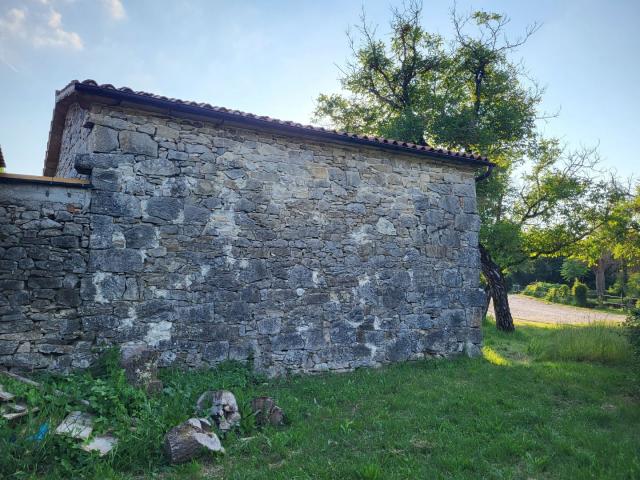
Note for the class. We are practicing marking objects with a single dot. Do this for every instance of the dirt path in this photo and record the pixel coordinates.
(534, 310)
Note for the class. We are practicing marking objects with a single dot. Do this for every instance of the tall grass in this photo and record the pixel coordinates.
(596, 342)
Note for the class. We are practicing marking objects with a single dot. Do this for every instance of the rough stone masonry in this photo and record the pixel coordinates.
(213, 235)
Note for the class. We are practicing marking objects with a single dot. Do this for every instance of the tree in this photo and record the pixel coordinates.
(471, 96)
(616, 241)
(573, 270)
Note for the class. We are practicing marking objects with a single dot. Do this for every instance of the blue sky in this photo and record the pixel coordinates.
(274, 57)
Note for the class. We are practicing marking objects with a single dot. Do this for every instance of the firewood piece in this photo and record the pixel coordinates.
(189, 439)
(221, 405)
(266, 411)
(13, 416)
(5, 396)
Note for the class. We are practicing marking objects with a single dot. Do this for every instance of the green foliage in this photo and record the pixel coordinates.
(558, 294)
(617, 288)
(592, 343)
(632, 329)
(371, 423)
(474, 96)
(548, 291)
(633, 285)
(117, 407)
(579, 291)
(573, 269)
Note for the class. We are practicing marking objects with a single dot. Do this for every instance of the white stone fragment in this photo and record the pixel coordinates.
(77, 425)
(102, 444)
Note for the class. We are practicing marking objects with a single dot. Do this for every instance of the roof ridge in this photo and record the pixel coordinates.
(373, 139)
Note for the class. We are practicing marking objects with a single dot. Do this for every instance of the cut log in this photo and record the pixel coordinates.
(221, 405)
(266, 411)
(5, 396)
(190, 439)
(13, 416)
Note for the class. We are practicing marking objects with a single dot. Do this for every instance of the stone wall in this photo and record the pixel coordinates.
(210, 242)
(74, 141)
(44, 235)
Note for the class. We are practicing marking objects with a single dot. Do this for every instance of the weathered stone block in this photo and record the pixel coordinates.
(140, 236)
(103, 139)
(117, 260)
(137, 143)
(115, 204)
(165, 208)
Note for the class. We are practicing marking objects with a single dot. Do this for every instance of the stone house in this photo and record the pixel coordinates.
(211, 234)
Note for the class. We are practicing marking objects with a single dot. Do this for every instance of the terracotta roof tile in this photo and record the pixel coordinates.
(91, 86)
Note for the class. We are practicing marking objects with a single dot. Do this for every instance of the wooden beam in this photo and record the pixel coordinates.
(71, 182)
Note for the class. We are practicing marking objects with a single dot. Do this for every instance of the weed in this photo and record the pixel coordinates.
(502, 416)
(595, 342)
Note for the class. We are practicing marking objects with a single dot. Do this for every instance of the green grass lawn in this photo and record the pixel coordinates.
(511, 414)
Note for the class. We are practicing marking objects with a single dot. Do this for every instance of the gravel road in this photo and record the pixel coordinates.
(534, 310)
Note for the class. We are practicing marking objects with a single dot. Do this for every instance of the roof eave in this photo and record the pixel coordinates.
(69, 94)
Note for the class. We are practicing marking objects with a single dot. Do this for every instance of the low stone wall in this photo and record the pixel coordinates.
(44, 238)
(211, 242)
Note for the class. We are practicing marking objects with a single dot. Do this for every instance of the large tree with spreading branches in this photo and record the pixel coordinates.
(468, 93)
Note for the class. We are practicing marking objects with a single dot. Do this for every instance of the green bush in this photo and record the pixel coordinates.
(552, 295)
(597, 342)
(632, 329)
(564, 291)
(633, 285)
(539, 289)
(580, 291)
(552, 292)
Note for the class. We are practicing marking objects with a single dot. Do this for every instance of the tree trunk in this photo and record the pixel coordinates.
(604, 263)
(487, 301)
(495, 281)
(600, 279)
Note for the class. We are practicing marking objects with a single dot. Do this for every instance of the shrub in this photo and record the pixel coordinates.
(579, 291)
(552, 295)
(633, 285)
(596, 342)
(632, 329)
(573, 269)
(564, 292)
(538, 289)
(552, 292)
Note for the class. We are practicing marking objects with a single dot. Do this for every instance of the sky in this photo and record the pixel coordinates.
(274, 57)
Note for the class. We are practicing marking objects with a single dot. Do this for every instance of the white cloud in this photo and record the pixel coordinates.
(55, 35)
(41, 29)
(115, 9)
(13, 22)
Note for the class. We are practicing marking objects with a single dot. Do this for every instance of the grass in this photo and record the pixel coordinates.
(534, 406)
(596, 342)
